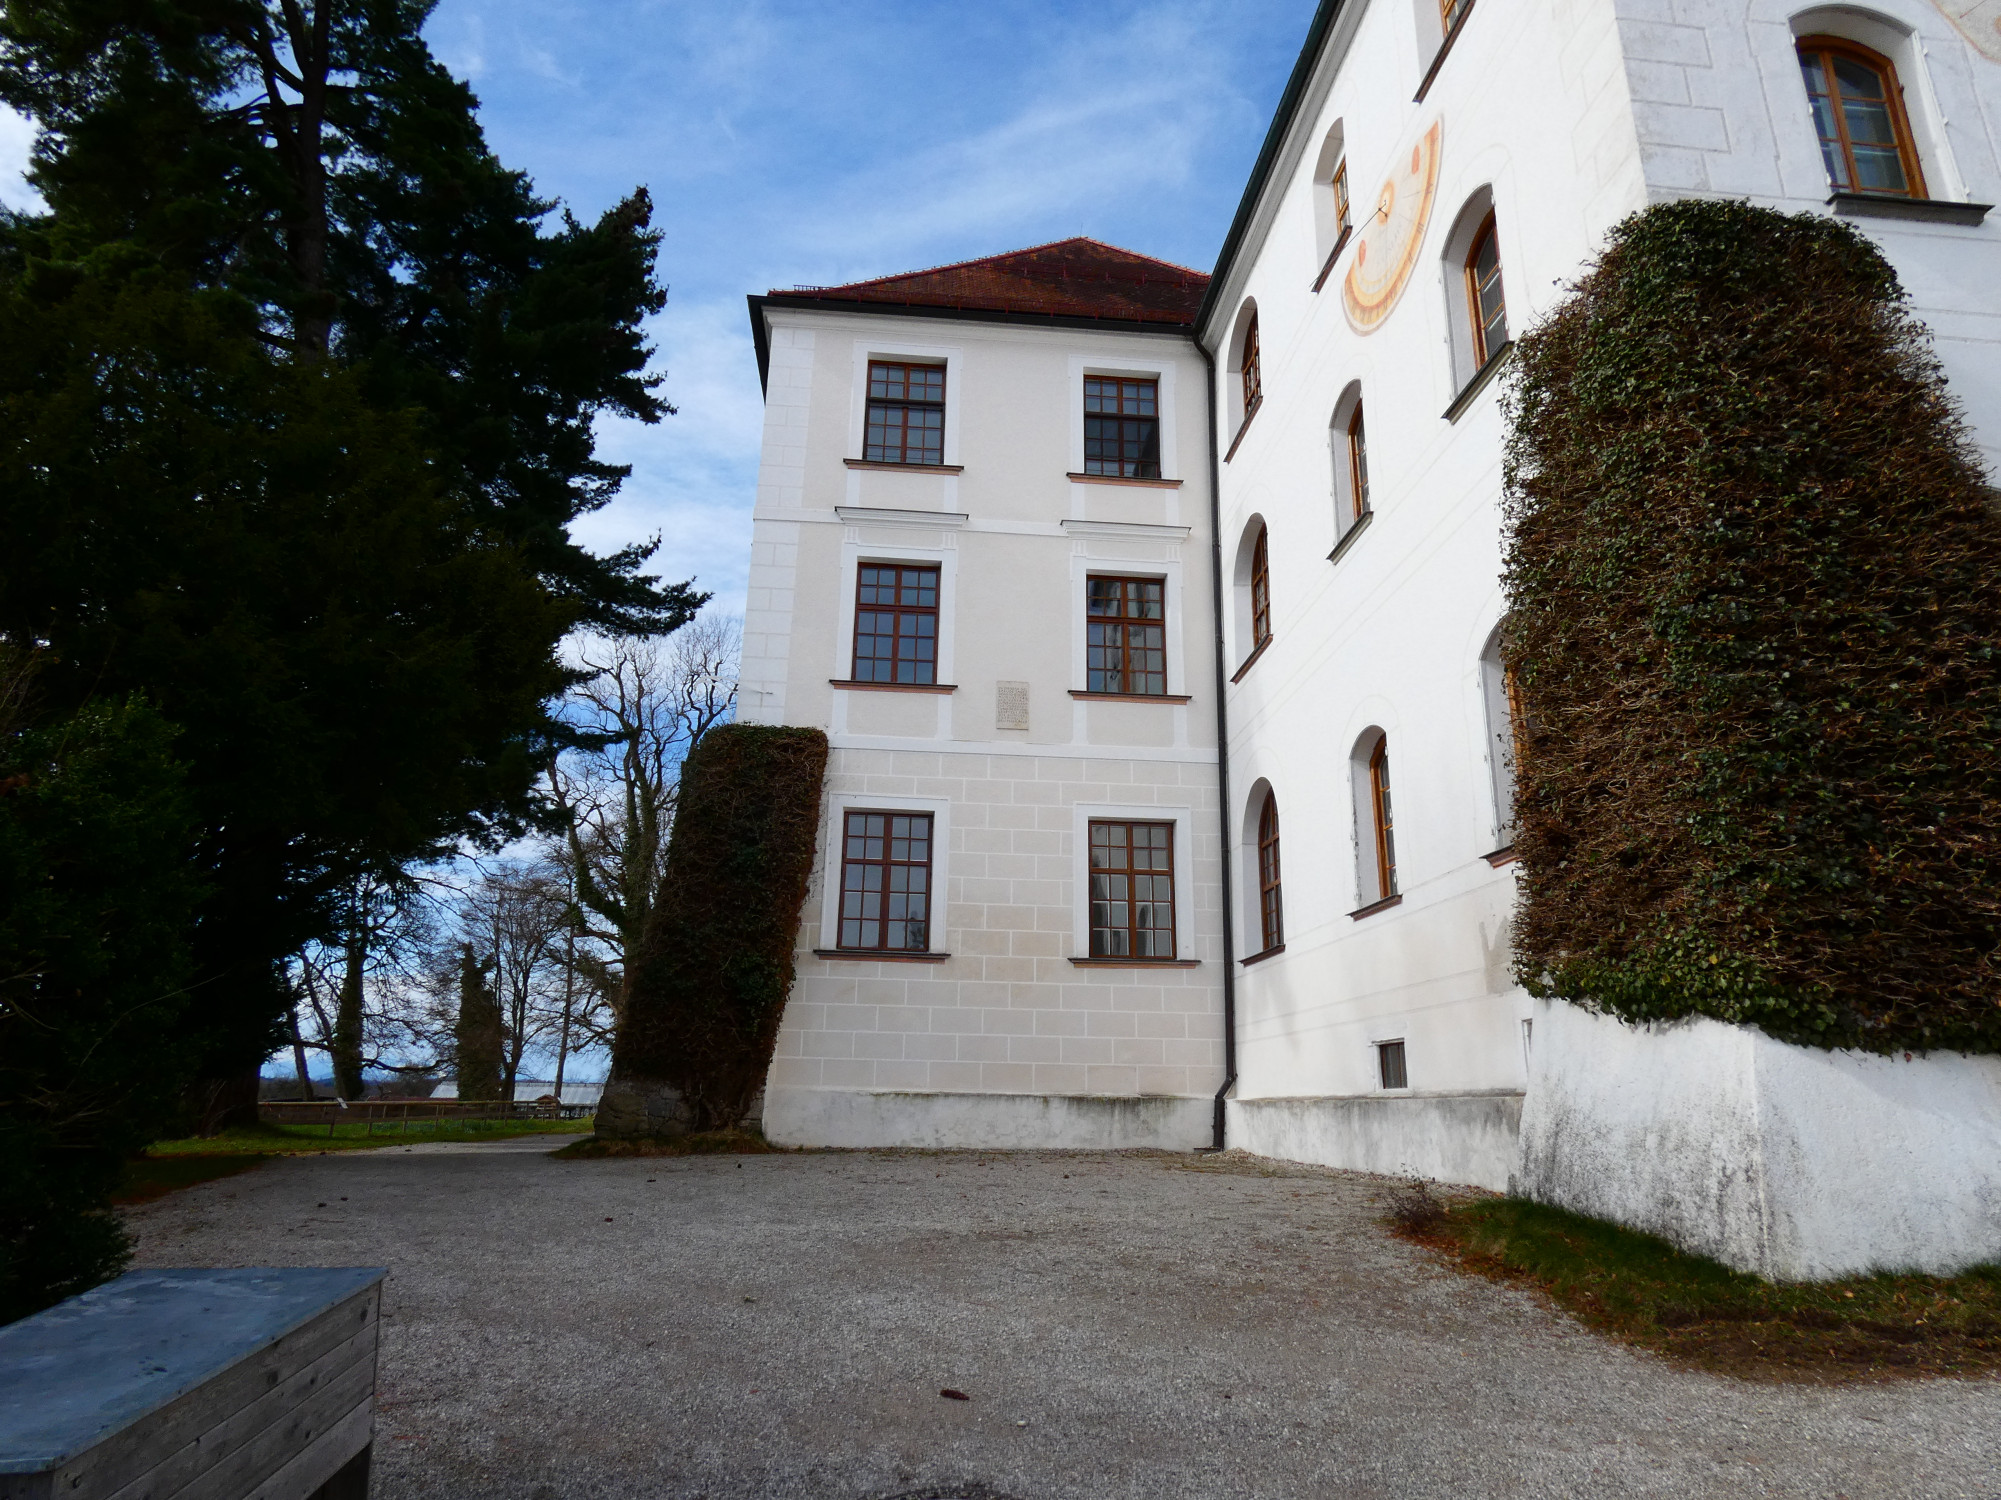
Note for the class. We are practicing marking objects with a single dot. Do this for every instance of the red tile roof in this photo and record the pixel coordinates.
(1076, 278)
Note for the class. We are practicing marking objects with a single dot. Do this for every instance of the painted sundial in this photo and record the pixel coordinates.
(1388, 240)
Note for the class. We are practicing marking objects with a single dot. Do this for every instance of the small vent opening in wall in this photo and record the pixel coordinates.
(1389, 1061)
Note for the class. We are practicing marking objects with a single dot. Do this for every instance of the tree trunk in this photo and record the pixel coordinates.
(347, 1018)
(299, 1055)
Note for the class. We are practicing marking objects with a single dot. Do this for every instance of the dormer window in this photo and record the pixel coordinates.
(906, 413)
(1121, 427)
(1858, 112)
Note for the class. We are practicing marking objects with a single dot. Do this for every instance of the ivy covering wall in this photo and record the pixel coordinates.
(1754, 581)
(708, 987)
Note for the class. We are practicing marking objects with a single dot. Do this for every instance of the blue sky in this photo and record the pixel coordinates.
(796, 142)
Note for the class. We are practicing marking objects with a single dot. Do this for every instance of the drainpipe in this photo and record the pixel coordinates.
(1222, 756)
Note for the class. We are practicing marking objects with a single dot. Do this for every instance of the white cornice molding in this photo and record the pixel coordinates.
(882, 515)
(1126, 528)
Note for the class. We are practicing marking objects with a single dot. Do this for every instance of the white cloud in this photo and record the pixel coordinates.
(17, 139)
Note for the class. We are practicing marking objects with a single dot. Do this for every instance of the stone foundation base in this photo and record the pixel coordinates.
(1791, 1162)
(1463, 1138)
(1059, 1122)
(632, 1109)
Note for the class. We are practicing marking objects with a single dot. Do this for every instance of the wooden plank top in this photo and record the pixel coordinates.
(75, 1374)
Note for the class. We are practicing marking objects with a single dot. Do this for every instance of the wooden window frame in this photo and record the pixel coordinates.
(1475, 309)
(1828, 47)
(1271, 906)
(1132, 902)
(1381, 811)
(1261, 589)
(1451, 13)
(887, 863)
(1096, 676)
(1122, 467)
(1338, 185)
(899, 612)
(873, 452)
(1252, 372)
(1358, 464)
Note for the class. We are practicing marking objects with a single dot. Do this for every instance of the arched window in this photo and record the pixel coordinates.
(1253, 378)
(1858, 112)
(1385, 827)
(1260, 591)
(1348, 441)
(1497, 683)
(1375, 824)
(1358, 463)
(1271, 912)
(1486, 306)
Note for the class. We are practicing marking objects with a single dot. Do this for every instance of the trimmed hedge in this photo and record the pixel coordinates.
(708, 986)
(1754, 579)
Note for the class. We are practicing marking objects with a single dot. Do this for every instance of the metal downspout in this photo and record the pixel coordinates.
(1222, 758)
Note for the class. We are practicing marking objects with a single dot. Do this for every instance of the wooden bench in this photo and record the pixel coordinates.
(194, 1385)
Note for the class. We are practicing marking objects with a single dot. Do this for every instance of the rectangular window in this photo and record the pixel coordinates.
(1253, 376)
(1452, 12)
(1132, 890)
(896, 624)
(886, 882)
(1126, 635)
(1340, 186)
(906, 414)
(1121, 427)
(1390, 1065)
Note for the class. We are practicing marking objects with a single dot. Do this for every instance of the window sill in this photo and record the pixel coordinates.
(1438, 58)
(1137, 963)
(1505, 855)
(1887, 206)
(1133, 697)
(1361, 525)
(1347, 233)
(1375, 906)
(894, 687)
(870, 463)
(1242, 428)
(1258, 958)
(884, 956)
(1479, 381)
(1148, 484)
(1251, 660)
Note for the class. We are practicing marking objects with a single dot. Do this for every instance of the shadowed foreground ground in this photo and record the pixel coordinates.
(1128, 1325)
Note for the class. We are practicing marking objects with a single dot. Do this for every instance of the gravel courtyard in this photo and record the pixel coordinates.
(1125, 1325)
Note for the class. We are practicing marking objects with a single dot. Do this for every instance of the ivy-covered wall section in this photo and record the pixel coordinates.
(1754, 580)
(707, 989)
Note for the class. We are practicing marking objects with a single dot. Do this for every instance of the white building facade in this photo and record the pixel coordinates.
(1436, 175)
(983, 565)
(1437, 172)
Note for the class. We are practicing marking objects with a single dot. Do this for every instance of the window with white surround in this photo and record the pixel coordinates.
(1333, 212)
(1497, 688)
(1392, 1071)
(1870, 110)
(1348, 451)
(1475, 288)
(1251, 591)
(884, 875)
(1244, 389)
(1375, 821)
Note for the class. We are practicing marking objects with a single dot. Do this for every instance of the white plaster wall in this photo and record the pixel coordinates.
(1007, 1015)
(1534, 110)
(1792, 1162)
(1721, 112)
(1020, 1122)
(1467, 1138)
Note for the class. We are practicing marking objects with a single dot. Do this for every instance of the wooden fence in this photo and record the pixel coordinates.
(409, 1116)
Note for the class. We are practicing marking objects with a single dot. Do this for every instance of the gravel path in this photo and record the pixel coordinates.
(1126, 1325)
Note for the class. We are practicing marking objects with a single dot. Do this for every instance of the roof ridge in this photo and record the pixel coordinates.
(986, 260)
